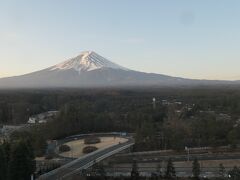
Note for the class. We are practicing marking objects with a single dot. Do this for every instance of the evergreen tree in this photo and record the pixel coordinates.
(159, 170)
(234, 174)
(134, 173)
(170, 171)
(101, 171)
(233, 138)
(22, 164)
(154, 176)
(3, 163)
(7, 149)
(196, 169)
(146, 136)
(98, 171)
(4, 159)
(222, 170)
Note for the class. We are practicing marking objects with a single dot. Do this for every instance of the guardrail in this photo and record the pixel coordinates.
(97, 134)
(89, 164)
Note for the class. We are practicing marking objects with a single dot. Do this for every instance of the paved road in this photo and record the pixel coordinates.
(124, 158)
(147, 165)
(183, 169)
(84, 162)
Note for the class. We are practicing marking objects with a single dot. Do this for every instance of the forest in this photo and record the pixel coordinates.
(180, 117)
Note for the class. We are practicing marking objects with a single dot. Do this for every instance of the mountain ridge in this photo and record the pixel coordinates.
(92, 70)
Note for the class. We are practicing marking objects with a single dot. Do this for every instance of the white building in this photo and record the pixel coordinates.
(43, 117)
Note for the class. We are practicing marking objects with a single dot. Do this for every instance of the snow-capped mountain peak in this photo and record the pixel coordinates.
(86, 61)
(92, 70)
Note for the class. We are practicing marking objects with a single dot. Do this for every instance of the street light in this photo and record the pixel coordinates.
(187, 149)
(154, 103)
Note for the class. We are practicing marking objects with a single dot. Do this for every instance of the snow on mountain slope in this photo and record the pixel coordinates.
(86, 61)
(92, 70)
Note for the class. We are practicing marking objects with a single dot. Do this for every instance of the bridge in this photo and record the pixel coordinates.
(76, 166)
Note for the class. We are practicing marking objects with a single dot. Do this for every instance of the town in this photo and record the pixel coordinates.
(180, 130)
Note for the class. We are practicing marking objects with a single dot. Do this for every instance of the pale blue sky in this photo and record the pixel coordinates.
(188, 38)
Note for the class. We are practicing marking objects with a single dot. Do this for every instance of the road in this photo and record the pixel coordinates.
(85, 162)
(147, 164)
(158, 158)
(181, 169)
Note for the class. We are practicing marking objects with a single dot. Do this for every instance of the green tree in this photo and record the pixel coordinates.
(196, 168)
(159, 170)
(22, 163)
(222, 170)
(6, 148)
(101, 171)
(234, 174)
(170, 170)
(233, 138)
(154, 176)
(134, 172)
(3, 163)
(98, 170)
(146, 136)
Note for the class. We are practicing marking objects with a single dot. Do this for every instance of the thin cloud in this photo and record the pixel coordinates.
(133, 40)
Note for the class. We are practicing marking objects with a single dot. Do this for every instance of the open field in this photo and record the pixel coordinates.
(78, 145)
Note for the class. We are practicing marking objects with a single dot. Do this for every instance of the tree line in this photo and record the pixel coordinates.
(17, 160)
(130, 110)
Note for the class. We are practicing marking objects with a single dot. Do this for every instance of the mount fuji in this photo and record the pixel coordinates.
(92, 70)
(86, 61)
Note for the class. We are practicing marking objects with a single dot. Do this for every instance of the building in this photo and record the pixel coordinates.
(6, 130)
(43, 117)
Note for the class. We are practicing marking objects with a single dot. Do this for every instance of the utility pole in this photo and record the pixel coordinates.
(154, 103)
(187, 149)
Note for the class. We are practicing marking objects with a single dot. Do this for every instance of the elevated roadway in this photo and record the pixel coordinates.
(75, 167)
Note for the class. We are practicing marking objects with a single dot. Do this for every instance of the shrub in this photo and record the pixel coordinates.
(49, 156)
(92, 140)
(89, 149)
(64, 148)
